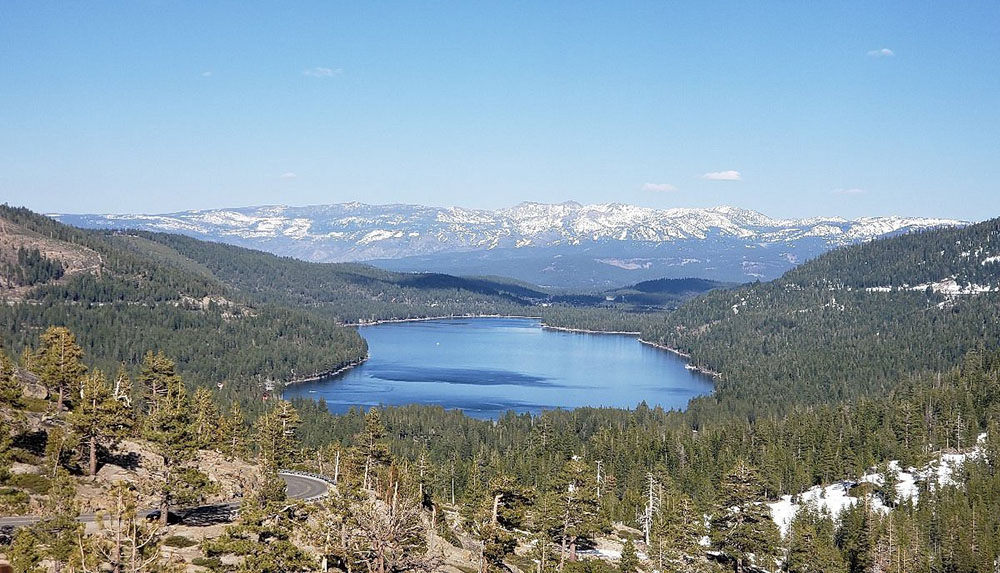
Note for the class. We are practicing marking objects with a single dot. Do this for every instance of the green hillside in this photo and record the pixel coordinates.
(851, 322)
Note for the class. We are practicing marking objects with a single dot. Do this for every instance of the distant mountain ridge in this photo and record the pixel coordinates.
(626, 242)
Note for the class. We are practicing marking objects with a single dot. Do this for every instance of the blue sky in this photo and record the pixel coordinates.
(816, 108)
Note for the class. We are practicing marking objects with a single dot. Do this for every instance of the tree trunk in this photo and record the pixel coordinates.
(496, 507)
(165, 494)
(59, 402)
(93, 455)
(562, 549)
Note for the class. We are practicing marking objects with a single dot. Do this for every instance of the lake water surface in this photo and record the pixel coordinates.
(486, 366)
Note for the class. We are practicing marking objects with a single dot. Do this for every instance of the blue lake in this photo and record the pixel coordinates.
(487, 366)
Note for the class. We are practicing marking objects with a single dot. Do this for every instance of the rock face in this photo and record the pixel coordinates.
(19, 468)
(35, 391)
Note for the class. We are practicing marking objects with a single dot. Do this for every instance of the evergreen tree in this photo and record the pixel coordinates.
(276, 436)
(858, 536)
(58, 530)
(25, 554)
(811, 547)
(372, 451)
(98, 418)
(157, 376)
(502, 512)
(60, 447)
(10, 386)
(233, 432)
(168, 427)
(206, 418)
(5, 449)
(678, 532)
(629, 561)
(263, 536)
(742, 528)
(59, 362)
(126, 542)
(577, 508)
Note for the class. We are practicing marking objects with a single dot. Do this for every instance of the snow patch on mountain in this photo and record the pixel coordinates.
(402, 227)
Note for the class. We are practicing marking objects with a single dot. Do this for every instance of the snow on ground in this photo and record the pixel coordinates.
(835, 498)
(948, 287)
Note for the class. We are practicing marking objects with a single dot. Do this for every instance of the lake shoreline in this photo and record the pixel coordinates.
(685, 356)
(586, 331)
(442, 317)
(328, 374)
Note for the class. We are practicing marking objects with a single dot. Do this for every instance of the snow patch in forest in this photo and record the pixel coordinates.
(835, 498)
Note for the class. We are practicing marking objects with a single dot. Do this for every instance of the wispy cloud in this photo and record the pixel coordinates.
(206, 74)
(319, 72)
(730, 175)
(851, 191)
(289, 175)
(659, 187)
(881, 53)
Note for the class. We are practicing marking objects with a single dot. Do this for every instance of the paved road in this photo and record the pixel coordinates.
(298, 486)
(304, 487)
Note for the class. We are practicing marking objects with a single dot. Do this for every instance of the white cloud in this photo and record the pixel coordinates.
(288, 175)
(729, 175)
(319, 72)
(851, 191)
(660, 187)
(206, 74)
(881, 53)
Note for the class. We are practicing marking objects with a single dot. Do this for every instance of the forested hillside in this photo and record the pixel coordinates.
(348, 292)
(122, 302)
(850, 323)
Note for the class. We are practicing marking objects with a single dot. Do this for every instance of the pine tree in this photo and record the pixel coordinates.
(389, 536)
(742, 528)
(5, 449)
(577, 508)
(24, 553)
(677, 532)
(60, 446)
(206, 418)
(98, 418)
(59, 362)
(157, 375)
(811, 547)
(233, 432)
(29, 360)
(168, 427)
(10, 386)
(372, 451)
(125, 541)
(275, 431)
(858, 536)
(263, 536)
(58, 530)
(502, 511)
(629, 561)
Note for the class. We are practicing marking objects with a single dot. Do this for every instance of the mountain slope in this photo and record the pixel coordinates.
(851, 322)
(567, 244)
(226, 314)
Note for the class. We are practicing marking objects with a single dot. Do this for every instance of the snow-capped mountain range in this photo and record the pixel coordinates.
(615, 236)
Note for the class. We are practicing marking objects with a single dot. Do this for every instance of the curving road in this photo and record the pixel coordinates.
(302, 486)
(297, 486)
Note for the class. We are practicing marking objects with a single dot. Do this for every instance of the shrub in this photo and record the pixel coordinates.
(179, 541)
(34, 483)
